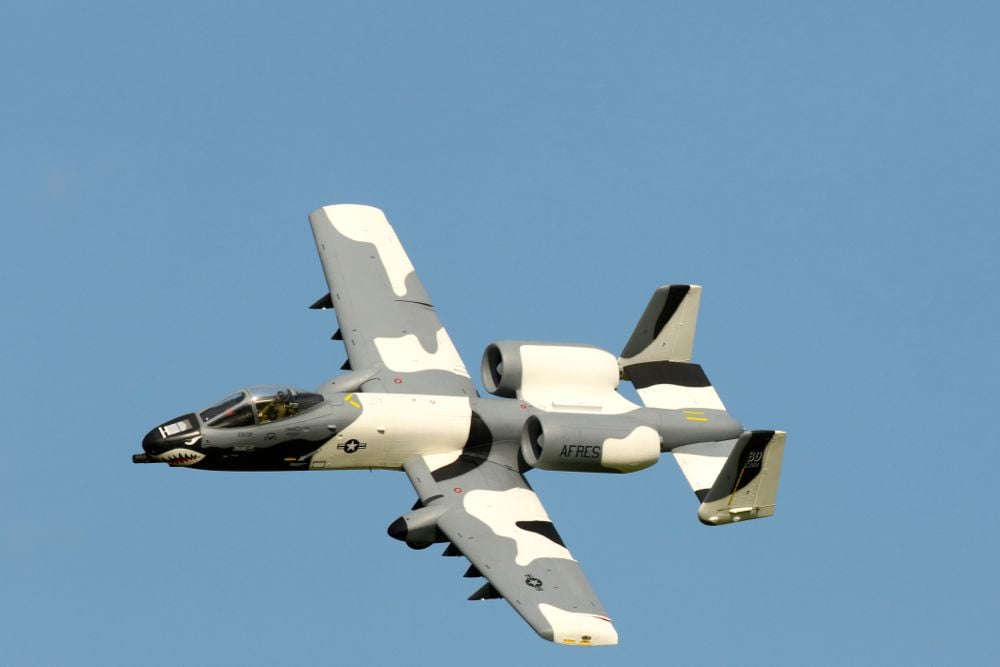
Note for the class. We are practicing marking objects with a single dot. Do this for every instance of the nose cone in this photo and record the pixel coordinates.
(154, 443)
(176, 441)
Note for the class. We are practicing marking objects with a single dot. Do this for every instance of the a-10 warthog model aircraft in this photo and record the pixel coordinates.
(407, 403)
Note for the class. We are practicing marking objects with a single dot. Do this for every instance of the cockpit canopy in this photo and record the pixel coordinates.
(259, 405)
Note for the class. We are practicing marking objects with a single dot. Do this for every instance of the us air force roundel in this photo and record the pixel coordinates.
(352, 446)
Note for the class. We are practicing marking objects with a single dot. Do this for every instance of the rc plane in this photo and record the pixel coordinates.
(406, 402)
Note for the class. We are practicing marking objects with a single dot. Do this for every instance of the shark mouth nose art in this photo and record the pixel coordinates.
(181, 457)
(174, 442)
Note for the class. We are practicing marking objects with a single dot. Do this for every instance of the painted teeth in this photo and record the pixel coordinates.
(181, 457)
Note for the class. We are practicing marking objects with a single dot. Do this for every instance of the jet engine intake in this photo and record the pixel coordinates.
(588, 443)
(502, 368)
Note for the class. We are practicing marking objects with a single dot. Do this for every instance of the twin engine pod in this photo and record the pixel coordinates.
(567, 381)
(588, 443)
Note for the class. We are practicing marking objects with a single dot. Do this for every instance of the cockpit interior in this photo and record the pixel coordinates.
(260, 404)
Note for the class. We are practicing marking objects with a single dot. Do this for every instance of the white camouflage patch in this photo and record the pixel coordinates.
(407, 355)
(565, 378)
(500, 510)
(391, 427)
(637, 450)
(701, 463)
(580, 629)
(369, 225)
(674, 397)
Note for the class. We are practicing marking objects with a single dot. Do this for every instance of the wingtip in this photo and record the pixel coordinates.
(571, 628)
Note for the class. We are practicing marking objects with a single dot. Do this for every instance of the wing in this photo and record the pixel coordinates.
(493, 517)
(387, 321)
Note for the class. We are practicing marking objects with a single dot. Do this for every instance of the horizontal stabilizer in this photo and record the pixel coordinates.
(747, 486)
(673, 385)
(702, 463)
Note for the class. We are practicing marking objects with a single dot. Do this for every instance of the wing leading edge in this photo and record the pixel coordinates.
(494, 518)
(387, 321)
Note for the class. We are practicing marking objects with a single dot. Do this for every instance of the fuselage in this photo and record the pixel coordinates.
(264, 428)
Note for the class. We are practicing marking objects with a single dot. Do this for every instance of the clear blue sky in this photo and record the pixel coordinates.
(830, 174)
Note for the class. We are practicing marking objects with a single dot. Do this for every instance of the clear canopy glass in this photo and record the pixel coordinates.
(259, 404)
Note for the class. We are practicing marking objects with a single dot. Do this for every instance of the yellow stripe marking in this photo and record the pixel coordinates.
(736, 486)
(697, 419)
(347, 399)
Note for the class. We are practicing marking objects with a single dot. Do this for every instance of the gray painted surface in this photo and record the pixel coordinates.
(409, 404)
(367, 308)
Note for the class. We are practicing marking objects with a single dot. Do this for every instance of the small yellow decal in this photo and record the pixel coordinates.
(736, 486)
(350, 400)
(697, 419)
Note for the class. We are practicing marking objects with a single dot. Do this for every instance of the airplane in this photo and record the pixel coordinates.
(406, 402)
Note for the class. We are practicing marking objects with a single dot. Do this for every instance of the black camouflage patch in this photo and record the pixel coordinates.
(475, 452)
(678, 373)
(543, 528)
(675, 295)
(659, 311)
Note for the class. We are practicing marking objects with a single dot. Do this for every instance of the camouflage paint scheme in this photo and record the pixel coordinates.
(408, 403)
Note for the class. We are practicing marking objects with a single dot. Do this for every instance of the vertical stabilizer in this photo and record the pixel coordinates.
(657, 356)
(747, 486)
(665, 331)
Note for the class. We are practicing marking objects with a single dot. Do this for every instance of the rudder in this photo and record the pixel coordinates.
(747, 486)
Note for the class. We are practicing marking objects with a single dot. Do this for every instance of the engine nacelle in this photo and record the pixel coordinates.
(588, 443)
(513, 368)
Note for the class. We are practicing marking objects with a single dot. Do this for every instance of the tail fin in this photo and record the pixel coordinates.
(657, 355)
(665, 331)
(735, 480)
(747, 486)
